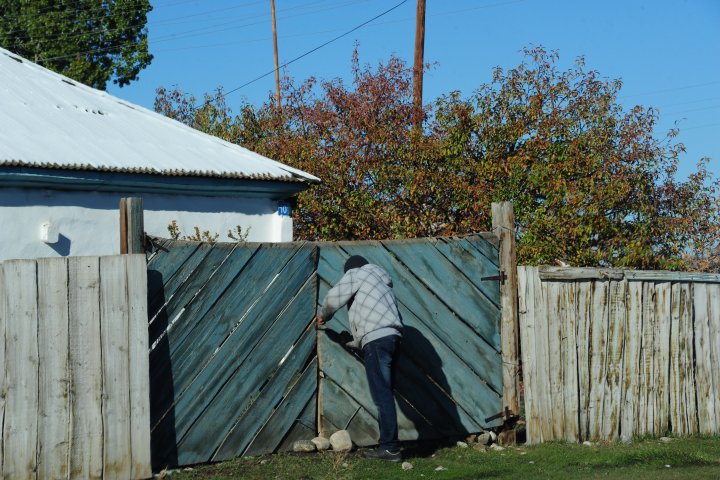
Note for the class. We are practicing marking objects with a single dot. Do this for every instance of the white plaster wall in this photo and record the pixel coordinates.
(88, 223)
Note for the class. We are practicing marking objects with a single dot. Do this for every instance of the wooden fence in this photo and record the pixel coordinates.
(610, 354)
(234, 367)
(74, 382)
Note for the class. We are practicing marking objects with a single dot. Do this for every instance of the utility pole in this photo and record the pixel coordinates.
(277, 68)
(419, 60)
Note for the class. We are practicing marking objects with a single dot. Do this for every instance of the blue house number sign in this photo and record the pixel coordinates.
(283, 209)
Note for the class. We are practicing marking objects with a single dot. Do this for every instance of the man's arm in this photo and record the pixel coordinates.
(337, 297)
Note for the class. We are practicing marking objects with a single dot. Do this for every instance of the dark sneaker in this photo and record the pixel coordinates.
(382, 454)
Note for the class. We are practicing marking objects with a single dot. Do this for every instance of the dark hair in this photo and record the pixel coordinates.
(356, 261)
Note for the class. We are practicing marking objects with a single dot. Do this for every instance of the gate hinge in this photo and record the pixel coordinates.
(501, 278)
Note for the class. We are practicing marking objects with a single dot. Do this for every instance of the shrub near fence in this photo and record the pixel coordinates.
(611, 354)
(74, 375)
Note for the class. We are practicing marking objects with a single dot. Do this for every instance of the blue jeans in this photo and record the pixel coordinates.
(378, 356)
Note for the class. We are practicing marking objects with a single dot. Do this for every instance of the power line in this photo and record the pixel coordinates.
(314, 49)
(700, 126)
(673, 89)
(190, 33)
(210, 29)
(305, 34)
(699, 109)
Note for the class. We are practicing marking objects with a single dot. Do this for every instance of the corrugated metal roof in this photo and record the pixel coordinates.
(50, 121)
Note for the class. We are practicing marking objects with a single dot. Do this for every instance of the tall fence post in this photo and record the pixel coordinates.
(132, 225)
(503, 226)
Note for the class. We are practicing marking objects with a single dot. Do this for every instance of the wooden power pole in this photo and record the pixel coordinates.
(419, 60)
(277, 68)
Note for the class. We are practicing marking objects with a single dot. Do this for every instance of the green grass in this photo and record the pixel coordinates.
(688, 458)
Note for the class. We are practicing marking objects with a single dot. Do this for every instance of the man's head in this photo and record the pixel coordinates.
(356, 261)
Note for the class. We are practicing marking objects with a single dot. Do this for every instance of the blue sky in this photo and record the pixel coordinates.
(666, 52)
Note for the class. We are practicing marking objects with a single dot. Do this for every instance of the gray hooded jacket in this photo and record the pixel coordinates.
(372, 309)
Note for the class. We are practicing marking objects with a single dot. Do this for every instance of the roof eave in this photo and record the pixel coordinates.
(84, 180)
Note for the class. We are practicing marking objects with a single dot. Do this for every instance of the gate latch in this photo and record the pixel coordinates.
(500, 278)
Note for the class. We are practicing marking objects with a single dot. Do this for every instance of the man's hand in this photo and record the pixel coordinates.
(319, 320)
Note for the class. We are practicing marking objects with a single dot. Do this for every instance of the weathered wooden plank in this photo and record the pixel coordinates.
(21, 370)
(677, 419)
(598, 358)
(473, 265)
(447, 284)
(683, 415)
(3, 357)
(86, 454)
(204, 276)
(486, 243)
(576, 273)
(54, 381)
(555, 360)
(430, 397)
(452, 373)
(237, 372)
(252, 420)
(689, 359)
(526, 317)
(612, 401)
(331, 261)
(114, 343)
(503, 223)
(632, 365)
(134, 216)
(165, 264)
(568, 345)
(663, 276)
(304, 427)
(661, 356)
(458, 335)
(713, 295)
(584, 345)
(344, 413)
(648, 392)
(704, 366)
(139, 377)
(542, 339)
(164, 289)
(285, 414)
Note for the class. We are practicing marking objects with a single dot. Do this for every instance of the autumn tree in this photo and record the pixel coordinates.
(591, 182)
(91, 41)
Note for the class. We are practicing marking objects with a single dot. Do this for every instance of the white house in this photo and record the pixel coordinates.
(69, 153)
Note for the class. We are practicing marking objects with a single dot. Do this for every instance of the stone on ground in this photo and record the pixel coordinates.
(321, 443)
(303, 446)
(485, 438)
(341, 441)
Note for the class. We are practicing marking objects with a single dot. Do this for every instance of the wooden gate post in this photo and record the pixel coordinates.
(132, 225)
(503, 226)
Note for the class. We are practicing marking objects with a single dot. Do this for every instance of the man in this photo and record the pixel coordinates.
(376, 328)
